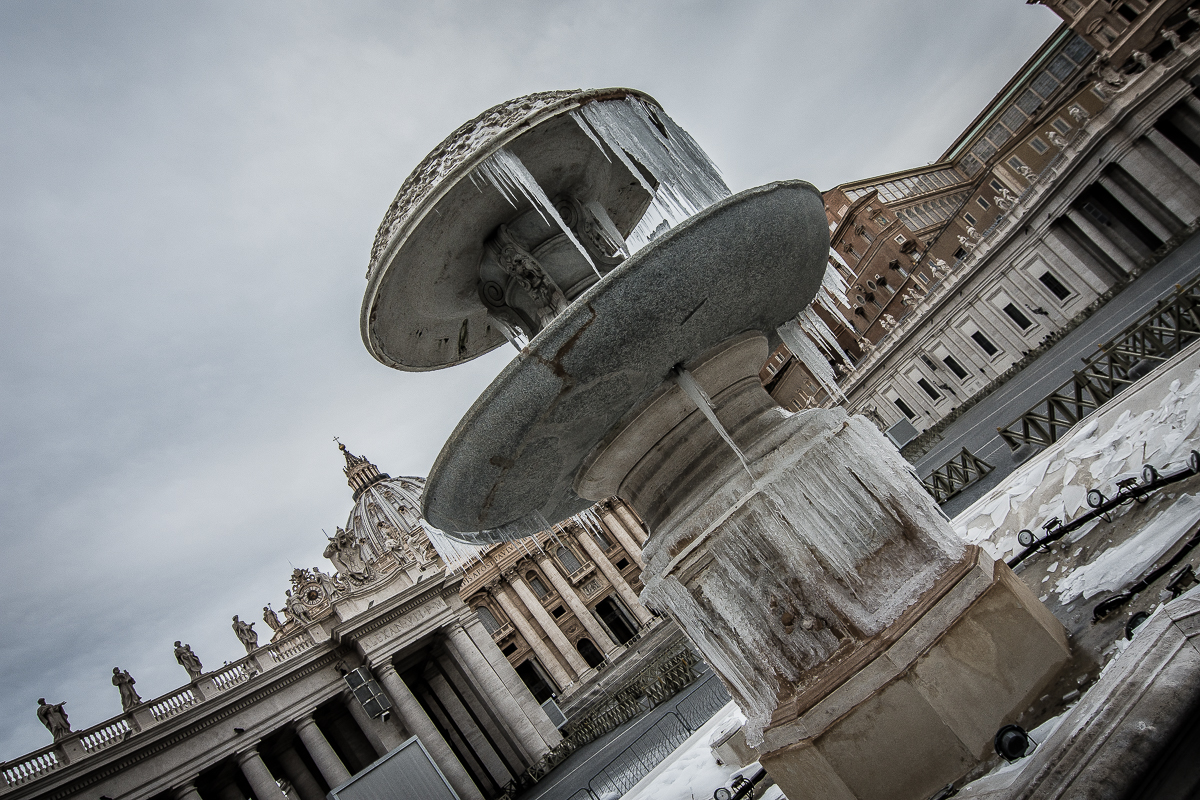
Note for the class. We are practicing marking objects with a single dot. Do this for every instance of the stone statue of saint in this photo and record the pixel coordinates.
(54, 718)
(327, 584)
(188, 660)
(124, 683)
(246, 633)
(297, 608)
(271, 618)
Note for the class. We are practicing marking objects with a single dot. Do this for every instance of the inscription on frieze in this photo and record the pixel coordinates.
(403, 623)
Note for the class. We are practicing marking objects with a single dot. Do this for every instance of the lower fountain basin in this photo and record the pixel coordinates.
(748, 263)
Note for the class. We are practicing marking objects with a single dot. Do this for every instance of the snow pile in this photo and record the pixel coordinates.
(691, 771)
(1055, 482)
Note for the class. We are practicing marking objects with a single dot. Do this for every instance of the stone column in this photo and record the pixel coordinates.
(467, 656)
(512, 681)
(476, 739)
(383, 736)
(632, 524)
(599, 636)
(549, 660)
(1105, 243)
(261, 781)
(624, 591)
(617, 528)
(297, 772)
(1134, 206)
(186, 792)
(548, 623)
(323, 755)
(419, 724)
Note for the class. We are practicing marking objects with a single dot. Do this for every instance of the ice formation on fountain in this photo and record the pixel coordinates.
(688, 180)
(807, 335)
(829, 543)
(702, 401)
(503, 170)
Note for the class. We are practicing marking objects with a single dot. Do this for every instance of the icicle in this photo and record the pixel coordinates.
(607, 227)
(688, 181)
(702, 401)
(515, 337)
(504, 170)
(803, 348)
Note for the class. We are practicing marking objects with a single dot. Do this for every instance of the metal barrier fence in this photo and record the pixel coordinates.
(650, 749)
(955, 475)
(1169, 327)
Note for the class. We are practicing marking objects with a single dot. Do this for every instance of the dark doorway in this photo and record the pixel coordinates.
(617, 620)
(589, 652)
(538, 686)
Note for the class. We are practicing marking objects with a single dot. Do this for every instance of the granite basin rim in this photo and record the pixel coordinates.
(747, 263)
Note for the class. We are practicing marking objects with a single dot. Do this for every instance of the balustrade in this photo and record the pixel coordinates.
(289, 647)
(172, 704)
(32, 766)
(105, 734)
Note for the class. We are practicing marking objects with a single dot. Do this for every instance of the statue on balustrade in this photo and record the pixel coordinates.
(271, 618)
(124, 683)
(54, 718)
(245, 633)
(188, 660)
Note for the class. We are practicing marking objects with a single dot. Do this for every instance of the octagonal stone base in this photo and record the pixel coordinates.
(925, 709)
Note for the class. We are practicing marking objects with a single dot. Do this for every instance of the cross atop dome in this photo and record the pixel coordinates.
(360, 472)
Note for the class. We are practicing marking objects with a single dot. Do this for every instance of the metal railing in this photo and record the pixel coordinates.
(650, 749)
(1157, 336)
(955, 475)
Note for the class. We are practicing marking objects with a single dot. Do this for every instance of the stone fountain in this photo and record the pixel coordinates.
(873, 653)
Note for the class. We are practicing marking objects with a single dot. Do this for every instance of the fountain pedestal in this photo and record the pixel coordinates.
(874, 654)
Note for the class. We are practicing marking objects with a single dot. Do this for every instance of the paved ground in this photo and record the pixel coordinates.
(976, 429)
(572, 775)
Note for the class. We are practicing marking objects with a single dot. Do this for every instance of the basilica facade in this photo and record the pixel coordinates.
(406, 634)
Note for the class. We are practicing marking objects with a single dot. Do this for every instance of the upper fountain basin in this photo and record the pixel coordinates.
(422, 309)
(747, 263)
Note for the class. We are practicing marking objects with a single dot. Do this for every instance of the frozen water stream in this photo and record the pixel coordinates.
(703, 402)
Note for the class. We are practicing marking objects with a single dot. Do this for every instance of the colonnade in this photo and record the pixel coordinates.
(464, 702)
(521, 604)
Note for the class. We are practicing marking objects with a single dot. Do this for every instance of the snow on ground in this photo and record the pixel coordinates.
(691, 771)
(1135, 555)
(1110, 446)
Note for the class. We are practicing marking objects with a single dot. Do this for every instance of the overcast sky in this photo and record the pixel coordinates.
(188, 196)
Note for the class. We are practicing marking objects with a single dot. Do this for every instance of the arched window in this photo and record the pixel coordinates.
(539, 588)
(568, 560)
(487, 618)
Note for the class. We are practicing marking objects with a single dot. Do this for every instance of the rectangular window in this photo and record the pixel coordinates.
(1013, 119)
(1061, 67)
(927, 387)
(904, 409)
(1023, 322)
(1061, 125)
(955, 367)
(970, 220)
(960, 254)
(1044, 84)
(984, 204)
(984, 343)
(995, 184)
(842, 211)
(1054, 285)
(1016, 163)
(1038, 145)
(1028, 102)
(900, 238)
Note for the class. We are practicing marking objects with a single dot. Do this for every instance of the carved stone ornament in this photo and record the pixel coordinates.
(1057, 139)
(518, 262)
(296, 608)
(346, 554)
(1172, 37)
(1028, 174)
(967, 244)
(1141, 59)
(888, 322)
(1108, 75)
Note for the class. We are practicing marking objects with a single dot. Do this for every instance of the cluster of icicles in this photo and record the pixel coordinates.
(460, 556)
(688, 182)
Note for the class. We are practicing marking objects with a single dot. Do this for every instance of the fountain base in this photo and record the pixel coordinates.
(921, 709)
(873, 652)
